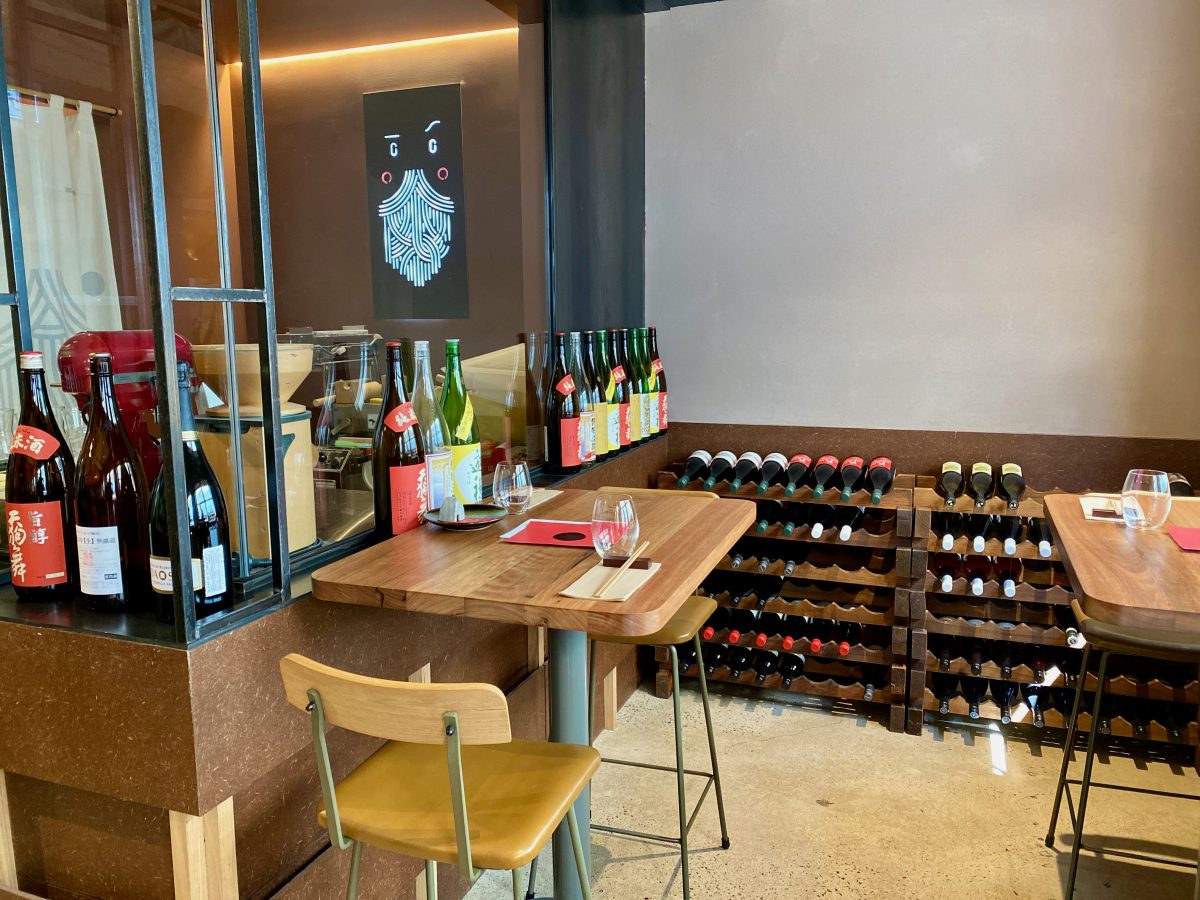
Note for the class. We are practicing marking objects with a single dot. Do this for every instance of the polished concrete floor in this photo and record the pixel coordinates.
(826, 803)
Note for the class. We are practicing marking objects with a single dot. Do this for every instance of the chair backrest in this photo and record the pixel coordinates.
(398, 710)
(635, 491)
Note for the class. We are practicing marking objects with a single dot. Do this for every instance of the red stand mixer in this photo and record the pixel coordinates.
(133, 368)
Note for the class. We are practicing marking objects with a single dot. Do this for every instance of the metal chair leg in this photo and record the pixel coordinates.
(1068, 748)
(518, 877)
(591, 688)
(430, 880)
(1087, 778)
(680, 775)
(532, 879)
(712, 742)
(355, 864)
(585, 885)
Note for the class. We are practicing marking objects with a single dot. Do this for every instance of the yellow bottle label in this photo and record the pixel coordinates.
(610, 389)
(981, 468)
(1010, 469)
(637, 416)
(951, 467)
(463, 431)
(466, 462)
(601, 429)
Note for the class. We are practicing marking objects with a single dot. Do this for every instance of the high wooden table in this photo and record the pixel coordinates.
(1129, 578)
(474, 574)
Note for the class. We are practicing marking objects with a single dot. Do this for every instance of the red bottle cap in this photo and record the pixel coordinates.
(844, 648)
(788, 643)
(734, 636)
(708, 632)
(760, 640)
(815, 645)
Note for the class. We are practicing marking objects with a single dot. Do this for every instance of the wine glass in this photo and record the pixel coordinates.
(614, 526)
(71, 424)
(512, 487)
(1146, 499)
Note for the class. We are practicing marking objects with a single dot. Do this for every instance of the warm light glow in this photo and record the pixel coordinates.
(397, 45)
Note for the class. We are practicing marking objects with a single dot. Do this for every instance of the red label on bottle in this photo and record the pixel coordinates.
(568, 432)
(801, 458)
(401, 418)
(656, 366)
(618, 374)
(566, 386)
(828, 460)
(36, 549)
(852, 461)
(30, 441)
(409, 488)
(662, 410)
(624, 424)
(881, 462)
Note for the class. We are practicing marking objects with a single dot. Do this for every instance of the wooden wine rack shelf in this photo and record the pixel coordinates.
(991, 547)
(883, 580)
(1120, 685)
(1189, 731)
(996, 631)
(859, 653)
(808, 572)
(992, 590)
(1031, 505)
(899, 497)
(886, 541)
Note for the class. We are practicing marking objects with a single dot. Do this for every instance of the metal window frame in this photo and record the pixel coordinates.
(164, 294)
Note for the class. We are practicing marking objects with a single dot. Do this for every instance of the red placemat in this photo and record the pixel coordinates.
(551, 533)
(1187, 538)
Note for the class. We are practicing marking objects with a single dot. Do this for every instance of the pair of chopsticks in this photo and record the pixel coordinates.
(600, 592)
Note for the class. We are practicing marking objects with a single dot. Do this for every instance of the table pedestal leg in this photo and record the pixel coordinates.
(568, 725)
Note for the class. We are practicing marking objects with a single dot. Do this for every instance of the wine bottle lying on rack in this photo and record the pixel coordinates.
(979, 529)
(950, 483)
(823, 474)
(1012, 484)
(981, 485)
(791, 667)
(721, 469)
(745, 470)
(950, 526)
(697, 466)
(850, 476)
(1008, 530)
(798, 472)
(880, 477)
(765, 664)
(1037, 531)
(774, 471)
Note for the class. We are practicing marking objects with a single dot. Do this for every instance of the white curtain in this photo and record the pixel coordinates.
(64, 226)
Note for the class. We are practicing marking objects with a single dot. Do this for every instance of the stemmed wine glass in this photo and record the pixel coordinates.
(1146, 499)
(614, 526)
(512, 487)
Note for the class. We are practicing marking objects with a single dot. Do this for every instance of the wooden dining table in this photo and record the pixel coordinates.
(1126, 577)
(476, 575)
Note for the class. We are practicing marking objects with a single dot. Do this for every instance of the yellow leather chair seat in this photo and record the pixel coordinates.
(679, 628)
(517, 793)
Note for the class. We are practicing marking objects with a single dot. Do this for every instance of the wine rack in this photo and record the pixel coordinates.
(826, 582)
(881, 577)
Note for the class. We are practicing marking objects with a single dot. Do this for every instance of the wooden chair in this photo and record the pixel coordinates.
(450, 785)
(1112, 640)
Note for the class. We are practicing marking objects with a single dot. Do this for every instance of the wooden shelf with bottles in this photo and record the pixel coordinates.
(997, 609)
(834, 573)
(990, 630)
(1031, 505)
(1121, 685)
(1054, 595)
(888, 540)
(865, 606)
(872, 654)
(819, 679)
(991, 547)
(899, 497)
(1187, 731)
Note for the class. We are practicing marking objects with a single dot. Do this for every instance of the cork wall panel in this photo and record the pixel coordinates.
(97, 713)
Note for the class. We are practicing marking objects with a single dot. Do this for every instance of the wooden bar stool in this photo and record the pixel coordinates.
(451, 785)
(684, 627)
(1109, 640)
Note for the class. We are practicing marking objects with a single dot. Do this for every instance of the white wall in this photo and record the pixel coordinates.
(928, 213)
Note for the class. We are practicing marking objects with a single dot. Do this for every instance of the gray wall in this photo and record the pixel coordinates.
(928, 213)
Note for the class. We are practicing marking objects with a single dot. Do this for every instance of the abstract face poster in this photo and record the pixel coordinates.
(416, 210)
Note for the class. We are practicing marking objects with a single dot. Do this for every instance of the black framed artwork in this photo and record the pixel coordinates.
(415, 205)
